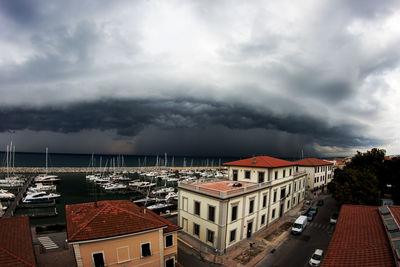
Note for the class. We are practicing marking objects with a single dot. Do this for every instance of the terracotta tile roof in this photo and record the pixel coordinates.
(260, 161)
(225, 185)
(359, 239)
(102, 219)
(339, 162)
(312, 162)
(16, 247)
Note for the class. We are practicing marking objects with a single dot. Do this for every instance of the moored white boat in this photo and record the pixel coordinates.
(4, 194)
(40, 197)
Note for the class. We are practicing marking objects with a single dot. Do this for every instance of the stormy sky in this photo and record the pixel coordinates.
(212, 78)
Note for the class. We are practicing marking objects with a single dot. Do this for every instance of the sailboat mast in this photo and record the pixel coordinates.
(7, 159)
(47, 151)
(13, 158)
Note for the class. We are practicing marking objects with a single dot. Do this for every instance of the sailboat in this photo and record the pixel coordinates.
(92, 176)
(46, 178)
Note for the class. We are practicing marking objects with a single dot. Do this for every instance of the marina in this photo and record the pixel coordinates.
(152, 187)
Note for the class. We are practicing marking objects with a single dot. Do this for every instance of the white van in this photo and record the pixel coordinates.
(299, 225)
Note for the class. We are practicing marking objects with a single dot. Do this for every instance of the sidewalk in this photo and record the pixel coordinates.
(250, 251)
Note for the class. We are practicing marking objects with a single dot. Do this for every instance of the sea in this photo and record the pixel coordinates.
(75, 188)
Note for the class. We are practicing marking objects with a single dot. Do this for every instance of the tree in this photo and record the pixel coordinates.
(353, 186)
(362, 181)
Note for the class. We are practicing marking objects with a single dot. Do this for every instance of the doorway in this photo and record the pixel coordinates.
(249, 229)
(281, 210)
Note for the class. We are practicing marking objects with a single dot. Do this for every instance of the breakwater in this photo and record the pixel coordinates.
(37, 170)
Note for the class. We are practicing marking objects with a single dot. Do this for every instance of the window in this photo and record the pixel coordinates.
(316, 169)
(290, 172)
(261, 177)
(234, 213)
(264, 203)
(290, 187)
(294, 200)
(98, 259)
(251, 206)
(197, 208)
(169, 241)
(235, 175)
(283, 192)
(210, 236)
(315, 180)
(247, 174)
(262, 219)
(284, 173)
(288, 203)
(170, 262)
(232, 236)
(196, 229)
(211, 213)
(184, 203)
(274, 196)
(123, 254)
(295, 187)
(146, 251)
(273, 214)
(276, 175)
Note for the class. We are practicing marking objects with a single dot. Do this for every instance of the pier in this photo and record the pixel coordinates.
(11, 209)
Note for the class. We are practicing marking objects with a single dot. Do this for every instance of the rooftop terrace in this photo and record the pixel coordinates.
(223, 189)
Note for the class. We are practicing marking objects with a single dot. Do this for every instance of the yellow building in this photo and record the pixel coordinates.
(223, 212)
(120, 233)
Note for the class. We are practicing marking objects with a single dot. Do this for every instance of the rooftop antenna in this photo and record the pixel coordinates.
(302, 154)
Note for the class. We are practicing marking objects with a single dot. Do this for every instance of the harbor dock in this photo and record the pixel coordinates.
(11, 209)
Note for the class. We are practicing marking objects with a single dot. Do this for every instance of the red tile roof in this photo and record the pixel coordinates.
(225, 185)
(16, 247)
(102, 219)
(359, 239)
(312, 162)
(260, 161)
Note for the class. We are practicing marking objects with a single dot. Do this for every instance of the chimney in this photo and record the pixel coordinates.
(95, 204)
(254, 160)
(143, 209)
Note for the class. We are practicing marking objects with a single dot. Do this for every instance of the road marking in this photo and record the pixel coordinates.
(47, 243)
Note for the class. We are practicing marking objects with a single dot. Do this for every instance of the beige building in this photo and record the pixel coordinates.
(119, 233)
(223, 212)
(319, 172)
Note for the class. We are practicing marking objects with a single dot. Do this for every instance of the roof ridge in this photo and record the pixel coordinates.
(15, 256)
(89, 221)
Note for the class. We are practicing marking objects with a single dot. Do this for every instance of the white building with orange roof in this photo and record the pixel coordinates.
(319, 172)
(224, 212)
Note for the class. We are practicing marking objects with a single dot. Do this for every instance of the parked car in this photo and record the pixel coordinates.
(316, 257)
(314, 209)
(320, 202)
(310, 216)
(333, 219)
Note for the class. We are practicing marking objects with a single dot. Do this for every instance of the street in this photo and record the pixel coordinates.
(297, 250)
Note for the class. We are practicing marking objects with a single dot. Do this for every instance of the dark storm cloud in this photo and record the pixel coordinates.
(65, 53)
(130, 117)
(23, 12)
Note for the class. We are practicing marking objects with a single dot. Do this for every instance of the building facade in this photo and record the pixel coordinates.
(319, 172)
(258, 191)
(119, 233)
